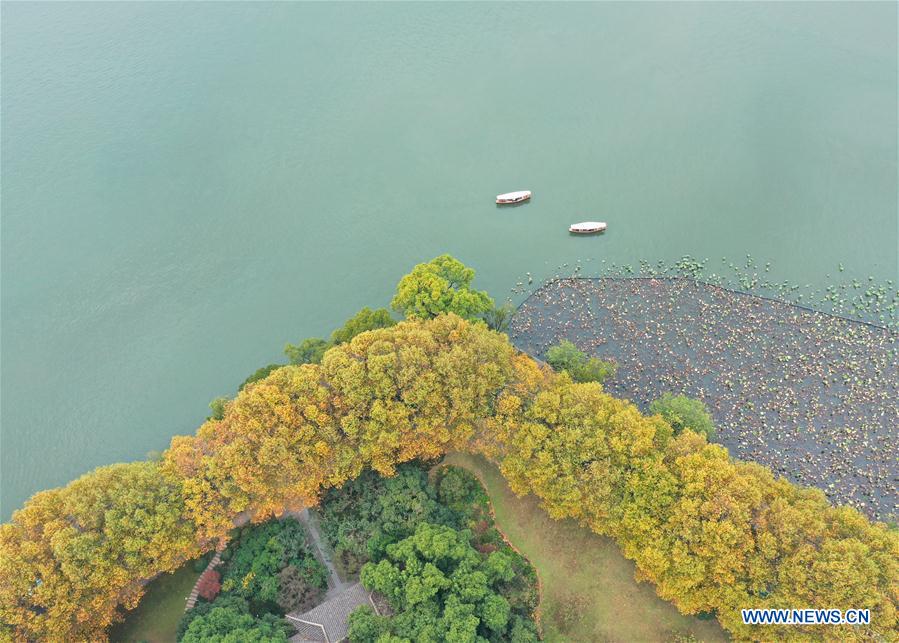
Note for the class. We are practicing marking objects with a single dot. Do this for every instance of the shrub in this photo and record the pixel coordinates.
(297, 589)
(217, 406)
(682, 412)
(308, 351)
(499, 318)
(209, 584)
(365, 320)
(259, 374)
(202, 608)
(565, 356)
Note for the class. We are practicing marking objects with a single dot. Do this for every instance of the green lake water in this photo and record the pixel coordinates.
(188, 186)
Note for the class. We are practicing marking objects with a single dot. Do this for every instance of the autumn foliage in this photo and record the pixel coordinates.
(712, 534)
(72, 555)
(209, 584)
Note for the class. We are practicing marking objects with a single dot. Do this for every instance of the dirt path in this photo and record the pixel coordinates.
(335, 584)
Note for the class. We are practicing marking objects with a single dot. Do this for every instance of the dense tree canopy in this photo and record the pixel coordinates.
(440, 589)
(230, 625)
(264, 555)
(389, 396)
(381, 512)
(202, 608)
(712, 534)
(265, 571)
(364, 515)
(73, 554)
(443, 285)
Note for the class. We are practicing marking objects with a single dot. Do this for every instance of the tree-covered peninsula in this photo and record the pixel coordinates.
(711, 533)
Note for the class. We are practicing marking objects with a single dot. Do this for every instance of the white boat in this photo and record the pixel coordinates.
(513, 197)
(587, 227)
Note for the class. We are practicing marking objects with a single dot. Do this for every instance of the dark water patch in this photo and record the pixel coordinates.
(811, 395)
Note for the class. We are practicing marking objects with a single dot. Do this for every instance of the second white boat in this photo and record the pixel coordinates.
(587, 227)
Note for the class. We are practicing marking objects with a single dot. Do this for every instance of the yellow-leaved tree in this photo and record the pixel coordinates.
(72, 555)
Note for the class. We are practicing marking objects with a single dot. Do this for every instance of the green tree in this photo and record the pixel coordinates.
(362, 517)
(495, 612)
(229, 625)
(499, 567)
(439, 587)
(365, 626)
(260, 374)
(308, 351)
(455, 486)
(271, 565)
(217, 406)
(443, 285)
(523, 630)
(683, 412)
(565, 356)
(499, 318)
(202, 608)
(365, 320)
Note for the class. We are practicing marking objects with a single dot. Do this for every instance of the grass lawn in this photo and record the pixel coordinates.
(589, 591)
(156, 617)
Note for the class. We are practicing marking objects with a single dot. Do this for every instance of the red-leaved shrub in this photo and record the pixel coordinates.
(209, 584)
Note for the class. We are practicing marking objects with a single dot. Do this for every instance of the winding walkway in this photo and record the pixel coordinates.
(327, 621)
(335, 584)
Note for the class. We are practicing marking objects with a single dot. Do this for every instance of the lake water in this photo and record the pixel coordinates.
(188, 186)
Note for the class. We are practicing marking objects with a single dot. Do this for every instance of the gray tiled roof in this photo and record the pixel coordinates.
(307, 633)
(332, 615)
